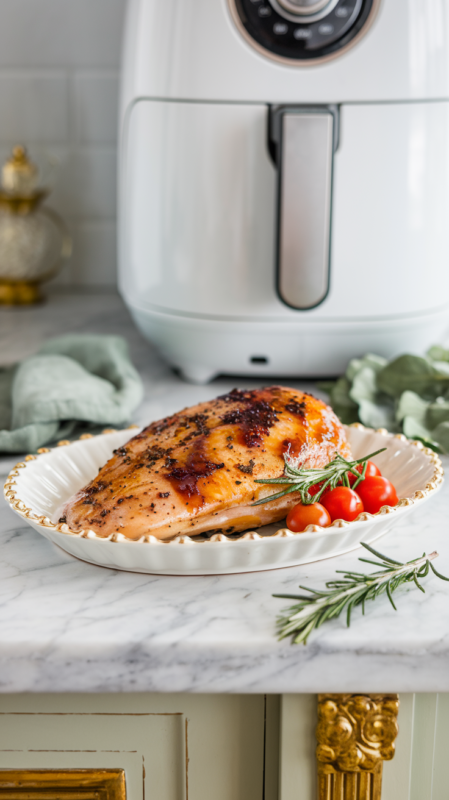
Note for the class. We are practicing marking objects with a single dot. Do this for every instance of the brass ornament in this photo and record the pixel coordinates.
(69, 784)
(19, 174)
(356, 734)
(34, 241)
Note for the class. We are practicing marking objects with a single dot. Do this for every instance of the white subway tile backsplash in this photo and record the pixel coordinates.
(33, 107)
(94, 107)
(94, 259)
(55, 33)
(87, 184)
(59, 75)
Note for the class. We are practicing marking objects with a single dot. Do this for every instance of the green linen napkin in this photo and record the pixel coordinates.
(73, 378)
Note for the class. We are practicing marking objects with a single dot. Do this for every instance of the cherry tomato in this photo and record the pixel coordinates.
(313, 514)
(371, 471)
(343, 503)
(313, 490)
(376, 492)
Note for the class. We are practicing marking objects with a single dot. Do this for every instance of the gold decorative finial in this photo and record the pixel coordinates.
(19, 174)
(355, 734)
(33, 239)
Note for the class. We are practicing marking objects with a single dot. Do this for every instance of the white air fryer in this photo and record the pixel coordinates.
(284, 181)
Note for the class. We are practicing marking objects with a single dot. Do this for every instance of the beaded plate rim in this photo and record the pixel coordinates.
(24, 511)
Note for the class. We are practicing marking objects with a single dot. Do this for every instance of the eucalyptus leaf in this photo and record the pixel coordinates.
(416, 430)
(442, 367)
(438, 353)
(364, 386)
(376, 363)
(409, 393)
(438, 412)
(342, 403)
(412, 405)
(378, 415)
(326, 386)
(411, 373)
(441, 435)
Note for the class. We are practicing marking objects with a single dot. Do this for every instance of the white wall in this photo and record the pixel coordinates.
(59, 70)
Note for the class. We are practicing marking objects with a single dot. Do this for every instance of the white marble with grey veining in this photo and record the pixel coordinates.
(69, 626)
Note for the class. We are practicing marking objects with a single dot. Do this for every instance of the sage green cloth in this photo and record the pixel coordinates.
(72, 379)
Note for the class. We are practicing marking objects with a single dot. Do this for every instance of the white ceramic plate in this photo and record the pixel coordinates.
(37, 487)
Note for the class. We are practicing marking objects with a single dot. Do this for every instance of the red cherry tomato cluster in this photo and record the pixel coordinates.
(343, 502)
(371, 472)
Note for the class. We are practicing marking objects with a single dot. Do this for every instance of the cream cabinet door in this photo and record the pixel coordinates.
(172, 747)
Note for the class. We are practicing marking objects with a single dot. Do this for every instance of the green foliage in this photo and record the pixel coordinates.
(410, 373)
(438, 353)
(353, 589)
(301, 479)
(343, 405)
(409, 394)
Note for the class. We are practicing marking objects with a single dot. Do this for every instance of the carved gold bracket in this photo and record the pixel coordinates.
(355, 734)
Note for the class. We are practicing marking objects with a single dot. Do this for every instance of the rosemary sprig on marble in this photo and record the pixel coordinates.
(353, 589)
(302, 479)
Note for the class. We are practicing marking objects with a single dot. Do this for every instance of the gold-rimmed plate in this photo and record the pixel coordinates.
(37, 487)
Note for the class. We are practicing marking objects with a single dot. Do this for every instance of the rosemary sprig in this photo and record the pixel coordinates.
(353, 589)
(301, 479)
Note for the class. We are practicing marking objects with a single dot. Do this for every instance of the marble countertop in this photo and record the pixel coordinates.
(66, 625)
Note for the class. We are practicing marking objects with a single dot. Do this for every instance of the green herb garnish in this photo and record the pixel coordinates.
(353, 589)
(301, 479)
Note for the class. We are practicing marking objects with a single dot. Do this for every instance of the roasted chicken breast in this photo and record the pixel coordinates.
(194, 472)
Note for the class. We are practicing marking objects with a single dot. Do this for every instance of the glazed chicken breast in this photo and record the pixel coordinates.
(194, 472)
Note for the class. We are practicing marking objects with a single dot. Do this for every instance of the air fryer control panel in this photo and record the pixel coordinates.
(303, 30)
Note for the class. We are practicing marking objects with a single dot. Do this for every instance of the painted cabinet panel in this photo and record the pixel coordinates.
(171, 747)
(225, 747)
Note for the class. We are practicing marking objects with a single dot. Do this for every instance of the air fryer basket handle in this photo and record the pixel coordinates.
(305, 139)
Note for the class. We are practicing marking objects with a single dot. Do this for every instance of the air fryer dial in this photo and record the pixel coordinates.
(303, 6)
(303, 30)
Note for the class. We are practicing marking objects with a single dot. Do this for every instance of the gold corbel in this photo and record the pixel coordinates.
(355, 734)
